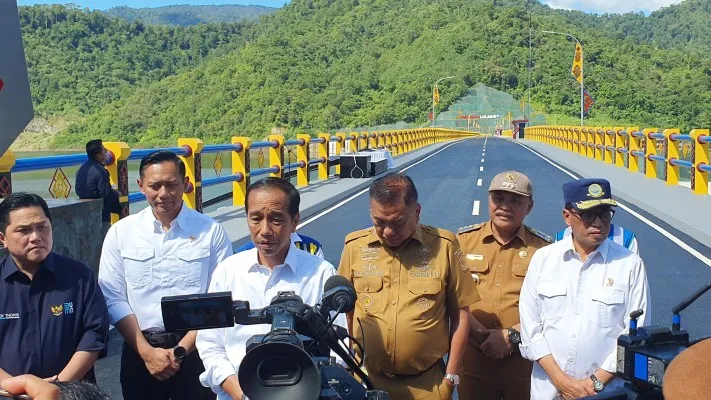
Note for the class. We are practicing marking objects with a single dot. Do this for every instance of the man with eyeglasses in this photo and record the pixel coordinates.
(576, 299)
(497, 253)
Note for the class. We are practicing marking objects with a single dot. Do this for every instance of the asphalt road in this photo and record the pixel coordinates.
(448, 190)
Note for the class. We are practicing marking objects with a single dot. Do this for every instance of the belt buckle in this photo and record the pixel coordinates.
(388, 375)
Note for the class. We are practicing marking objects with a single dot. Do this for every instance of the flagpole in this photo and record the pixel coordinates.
(433, 97)
(582, 76)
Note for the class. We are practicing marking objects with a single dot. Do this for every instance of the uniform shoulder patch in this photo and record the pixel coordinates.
(443, 233)
(470, 228)
(540, 234)
(358, 234)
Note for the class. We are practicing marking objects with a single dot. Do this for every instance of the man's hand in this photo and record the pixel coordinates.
(446, 389)
(32, 386)
(497, 345)
(161, 363)
(571, 388)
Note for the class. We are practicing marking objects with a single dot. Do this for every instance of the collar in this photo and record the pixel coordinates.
(9, 267)
(520, 233)
(291, 260)
(181, 220)
(603, 249)
(417, 235)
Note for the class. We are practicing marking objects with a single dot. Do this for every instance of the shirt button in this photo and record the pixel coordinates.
(573, 336)
(390, 353)
(496, 303)
(498, 284)
(570, 360)
(396, 280)
(499, 267)
(394, 302)
(391, 327)
(577, 313)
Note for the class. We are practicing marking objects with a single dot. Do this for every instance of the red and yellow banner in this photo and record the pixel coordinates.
(577, 69)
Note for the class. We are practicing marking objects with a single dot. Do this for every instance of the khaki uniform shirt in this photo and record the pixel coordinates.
(498, 270)
(405, 297)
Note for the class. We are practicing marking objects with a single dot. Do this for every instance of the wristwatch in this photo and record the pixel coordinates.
(179, 352)
(514, 337)
(597, 384)
(452, 378)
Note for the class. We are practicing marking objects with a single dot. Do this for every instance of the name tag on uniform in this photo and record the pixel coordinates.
(475, 257)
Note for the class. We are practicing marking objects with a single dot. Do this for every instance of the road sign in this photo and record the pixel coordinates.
(60, 187)
(15, 101)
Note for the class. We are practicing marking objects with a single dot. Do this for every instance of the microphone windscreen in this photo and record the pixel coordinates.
(335, 281)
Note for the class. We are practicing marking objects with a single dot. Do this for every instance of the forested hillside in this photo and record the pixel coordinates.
(185, 15)
(79, 61)
(330, 64)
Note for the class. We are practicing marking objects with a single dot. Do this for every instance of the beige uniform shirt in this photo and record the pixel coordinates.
(498, 270)
(405, 297)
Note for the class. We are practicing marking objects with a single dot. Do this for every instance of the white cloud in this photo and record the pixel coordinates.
(611, 6)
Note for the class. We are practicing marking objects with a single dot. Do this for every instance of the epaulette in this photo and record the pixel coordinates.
(443, 233)
(358, 234)
(470, 228)
(540, 234)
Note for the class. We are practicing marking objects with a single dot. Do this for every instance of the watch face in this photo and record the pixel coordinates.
(180, 352)
(598, 386)
(514, 337)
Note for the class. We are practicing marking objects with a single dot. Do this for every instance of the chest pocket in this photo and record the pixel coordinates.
(552, 296)
(426, 297)
(138, 266)
(520, 266)
(371, 296)
(608, 307)
(193, 261)
(479, 269)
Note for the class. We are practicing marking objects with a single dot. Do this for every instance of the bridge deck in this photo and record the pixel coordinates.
(448, 189)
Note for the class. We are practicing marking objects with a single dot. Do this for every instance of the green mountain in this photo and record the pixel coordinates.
(330, 64)
(80, 60)
(186, 15)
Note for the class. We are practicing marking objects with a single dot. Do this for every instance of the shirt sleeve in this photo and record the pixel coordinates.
(220, 249)
(638, 299)
(634, 247)
(211, 345)
(102, 183)
(461, 291)
(95, 319)
(534, 345)
(111, 278)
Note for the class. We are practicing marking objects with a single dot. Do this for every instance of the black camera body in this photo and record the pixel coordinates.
(292, 361)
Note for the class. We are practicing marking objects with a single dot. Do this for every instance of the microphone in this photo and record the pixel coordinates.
(338, 295)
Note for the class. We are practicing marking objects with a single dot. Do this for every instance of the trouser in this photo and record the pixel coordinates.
(428, 385)
(138, 384)
(471, 388)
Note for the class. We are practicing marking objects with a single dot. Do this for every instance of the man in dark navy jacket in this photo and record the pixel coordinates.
(53, 317)
(93, 182)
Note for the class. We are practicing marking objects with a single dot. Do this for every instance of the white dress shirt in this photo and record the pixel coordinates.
(576, 310)
(141, 262)
(223, 349)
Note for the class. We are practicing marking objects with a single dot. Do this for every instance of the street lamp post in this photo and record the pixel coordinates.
(582, 65)
(433, 97)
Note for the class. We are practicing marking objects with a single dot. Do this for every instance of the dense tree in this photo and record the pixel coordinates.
(185, 15)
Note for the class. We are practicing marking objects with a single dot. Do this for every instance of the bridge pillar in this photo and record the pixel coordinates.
(353, 140)
(381, 139)
(672, 154)
(599, 143)
(650, 149)
(373, 140)
(118, 172)
(622, 143)
(302, 156)
(389, 141)
(339, 149)
(362, 140)
(633, 145)
(323, 154)
(7, 161)
(276, 155)
(193, 171)
(240, 165)
(700, 178)
(393, 139)
(610, 144)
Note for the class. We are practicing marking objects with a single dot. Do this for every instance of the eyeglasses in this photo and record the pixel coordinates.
(590, 216)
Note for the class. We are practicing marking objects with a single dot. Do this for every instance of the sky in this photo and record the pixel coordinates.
(593, 6)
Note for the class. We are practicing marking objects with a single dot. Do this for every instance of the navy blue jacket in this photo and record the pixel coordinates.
(93, 182)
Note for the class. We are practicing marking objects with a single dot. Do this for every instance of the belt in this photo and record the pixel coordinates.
(164, 340)
(391, 376)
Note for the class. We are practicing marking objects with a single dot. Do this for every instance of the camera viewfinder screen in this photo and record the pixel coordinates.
(197, 312)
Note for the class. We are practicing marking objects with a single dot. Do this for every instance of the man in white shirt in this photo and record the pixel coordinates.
(166, 249)
(258, 275)
(576, 299)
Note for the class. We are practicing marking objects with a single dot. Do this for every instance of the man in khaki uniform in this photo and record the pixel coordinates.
(414, 293)
(497, 253)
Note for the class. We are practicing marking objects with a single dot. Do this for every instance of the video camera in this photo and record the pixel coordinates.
(293, 360)
(644, 354)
